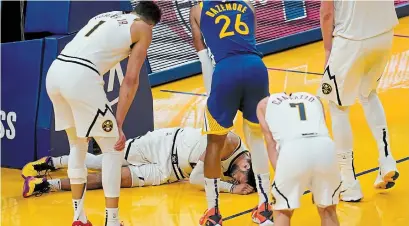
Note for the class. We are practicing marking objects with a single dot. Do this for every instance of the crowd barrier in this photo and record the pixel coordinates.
(27, 131)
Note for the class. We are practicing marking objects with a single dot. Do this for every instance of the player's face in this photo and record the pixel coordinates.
(242, 168)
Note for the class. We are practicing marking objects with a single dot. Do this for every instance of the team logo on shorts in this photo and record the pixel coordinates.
(326, 88)
(107, 126)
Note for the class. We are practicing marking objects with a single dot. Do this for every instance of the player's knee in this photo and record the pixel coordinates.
(327, 211)
(338, 110)
(283, 213)
(77, 171)
(365, 99)
(251, 128)
(78, 175)
(126, 178)
(216, 140)
(106, 143)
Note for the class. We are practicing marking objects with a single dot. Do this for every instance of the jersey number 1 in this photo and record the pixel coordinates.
(239, 26)
(301, 110)
(94, 28)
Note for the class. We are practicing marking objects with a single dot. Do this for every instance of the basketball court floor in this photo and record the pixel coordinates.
(181, 103)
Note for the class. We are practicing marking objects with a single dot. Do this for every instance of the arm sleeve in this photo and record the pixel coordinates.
(197, 178)
(207, 68)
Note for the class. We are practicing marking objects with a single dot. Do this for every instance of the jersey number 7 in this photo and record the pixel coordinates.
(239, 26)
(301, 110)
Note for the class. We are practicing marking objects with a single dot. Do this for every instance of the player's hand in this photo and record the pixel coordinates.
(327, 54)
(242, 189)
(120, 144)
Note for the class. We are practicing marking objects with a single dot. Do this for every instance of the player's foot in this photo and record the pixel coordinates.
(351, 192)
(211, 217)
(388, 174)
(263, 215)
(38, 168)
(79, 223)
(35, 186)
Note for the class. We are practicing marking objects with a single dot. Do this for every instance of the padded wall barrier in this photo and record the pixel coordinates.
(64, 17)
(20, 79)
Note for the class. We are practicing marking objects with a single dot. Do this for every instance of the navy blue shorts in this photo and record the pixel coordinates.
(238, 83)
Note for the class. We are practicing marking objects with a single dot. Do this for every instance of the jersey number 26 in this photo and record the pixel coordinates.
(239, 26)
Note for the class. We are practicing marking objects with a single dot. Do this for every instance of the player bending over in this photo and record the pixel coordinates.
(302, 154)
(239, 82)
(81, 108)
(355, 60)
(159, 157)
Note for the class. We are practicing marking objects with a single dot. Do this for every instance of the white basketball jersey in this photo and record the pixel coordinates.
(104, 41)
(358, 19)
(295, 116)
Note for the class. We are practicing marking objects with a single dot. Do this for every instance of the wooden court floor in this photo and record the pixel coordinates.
(181, 104)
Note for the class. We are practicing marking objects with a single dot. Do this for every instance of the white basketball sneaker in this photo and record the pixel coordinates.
(351, 192)
(388, 174)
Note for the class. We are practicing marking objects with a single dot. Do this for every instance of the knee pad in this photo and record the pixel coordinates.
(77, 172)
(111, 173)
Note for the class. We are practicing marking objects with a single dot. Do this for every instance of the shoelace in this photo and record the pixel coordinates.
(42, 188)
(45, 166)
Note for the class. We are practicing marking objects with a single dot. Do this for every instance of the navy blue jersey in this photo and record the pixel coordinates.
(228, 28)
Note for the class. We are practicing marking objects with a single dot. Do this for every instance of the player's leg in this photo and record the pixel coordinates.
(222, 106)
(257, 88)
(340, 86)
(77, 172)
(291, 177)
(33, 186)
(373, 109)
(64, 120)
(328, 215)
(94, 118)
(326, 179)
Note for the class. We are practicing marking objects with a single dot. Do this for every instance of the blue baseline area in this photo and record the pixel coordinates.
(269, 47)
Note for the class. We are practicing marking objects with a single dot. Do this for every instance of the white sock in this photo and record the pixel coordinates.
(55, 184)
(342, 133)
(79, 213)
(263, 187)
(60, 162)
(111, 217)
(212, 188)
(375, 116)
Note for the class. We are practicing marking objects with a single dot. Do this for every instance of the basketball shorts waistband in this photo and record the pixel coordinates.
(78, 60)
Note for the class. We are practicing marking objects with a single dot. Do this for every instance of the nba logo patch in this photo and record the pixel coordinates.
(107, 126)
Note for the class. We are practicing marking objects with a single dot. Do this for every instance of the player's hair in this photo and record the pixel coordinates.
(251, 178)
(149, 11)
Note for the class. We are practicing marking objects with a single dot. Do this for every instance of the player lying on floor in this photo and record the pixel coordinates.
(159, 157)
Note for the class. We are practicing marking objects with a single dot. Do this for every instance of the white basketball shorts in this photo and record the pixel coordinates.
(354, 68)
(79, 100)
(306, 163)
